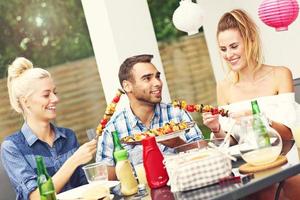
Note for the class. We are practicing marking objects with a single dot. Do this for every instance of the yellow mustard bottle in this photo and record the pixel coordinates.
(124, 172)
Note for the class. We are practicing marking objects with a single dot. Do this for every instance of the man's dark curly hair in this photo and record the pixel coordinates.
(127, 65)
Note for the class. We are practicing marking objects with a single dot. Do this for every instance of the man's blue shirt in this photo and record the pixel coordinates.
(18, 153)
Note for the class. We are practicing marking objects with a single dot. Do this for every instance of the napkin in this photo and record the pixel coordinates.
(193, 170)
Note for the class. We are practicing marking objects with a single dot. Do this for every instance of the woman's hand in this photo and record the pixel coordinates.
(211, 121)
(86, 152)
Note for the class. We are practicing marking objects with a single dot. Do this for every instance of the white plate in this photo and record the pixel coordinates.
(171, 135)
(175, 133)
(76, 193)
(166, 136)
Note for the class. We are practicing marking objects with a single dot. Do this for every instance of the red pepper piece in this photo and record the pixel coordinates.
(215, 111)
(103, 122)
(116, 99)
(190, 108)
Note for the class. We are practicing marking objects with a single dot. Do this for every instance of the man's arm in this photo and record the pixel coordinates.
(194, 133)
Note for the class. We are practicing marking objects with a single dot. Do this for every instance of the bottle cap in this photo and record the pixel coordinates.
(115, 133)
(149, 141)
(142, 189)
(38, 158)
(121, 155)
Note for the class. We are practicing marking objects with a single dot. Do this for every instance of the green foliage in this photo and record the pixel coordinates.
(47, 32)
(50, 32)
(161, 14)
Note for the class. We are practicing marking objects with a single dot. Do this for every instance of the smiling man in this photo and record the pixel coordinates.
(141, 82)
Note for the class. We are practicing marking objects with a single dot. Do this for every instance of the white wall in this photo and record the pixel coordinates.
(280, 48)
(120, 29)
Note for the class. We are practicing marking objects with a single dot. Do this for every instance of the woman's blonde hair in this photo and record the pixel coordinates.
(239, 20)
(20, 81)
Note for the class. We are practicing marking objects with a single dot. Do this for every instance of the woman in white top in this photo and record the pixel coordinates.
(249, 79)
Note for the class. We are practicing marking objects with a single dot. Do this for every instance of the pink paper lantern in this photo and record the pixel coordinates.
(278, 13)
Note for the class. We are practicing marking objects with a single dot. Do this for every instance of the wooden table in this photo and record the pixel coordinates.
(233, 191)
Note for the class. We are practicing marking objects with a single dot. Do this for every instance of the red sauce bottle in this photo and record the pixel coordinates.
(156, 172)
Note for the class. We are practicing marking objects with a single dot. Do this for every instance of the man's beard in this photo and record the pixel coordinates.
(148, 99)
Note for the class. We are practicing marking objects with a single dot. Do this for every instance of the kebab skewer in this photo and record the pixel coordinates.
(200, 108)
(109, 111)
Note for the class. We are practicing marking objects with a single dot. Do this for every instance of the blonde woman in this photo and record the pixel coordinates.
(248, 79)
(32, 93)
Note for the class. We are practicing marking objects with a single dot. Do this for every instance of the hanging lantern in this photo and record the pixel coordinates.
(278, 13)
(188, 17)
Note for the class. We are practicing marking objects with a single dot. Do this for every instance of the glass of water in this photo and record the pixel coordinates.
(91, 133)
(96, 172)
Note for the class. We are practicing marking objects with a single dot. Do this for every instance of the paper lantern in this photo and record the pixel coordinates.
(188, 17)
(278, 13)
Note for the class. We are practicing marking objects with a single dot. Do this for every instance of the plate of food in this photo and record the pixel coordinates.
(167, 131)
(93, 190)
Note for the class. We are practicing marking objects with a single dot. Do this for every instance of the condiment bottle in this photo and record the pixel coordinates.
(44, 181)
(125, 174)
(263, 138)
(156, 172)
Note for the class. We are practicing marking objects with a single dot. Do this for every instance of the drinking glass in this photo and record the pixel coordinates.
(96, 172)
(91, 133)
(136, 155)
(259, 143)
(140, 173)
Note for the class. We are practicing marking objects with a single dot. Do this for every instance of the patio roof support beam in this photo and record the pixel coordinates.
(120, 29)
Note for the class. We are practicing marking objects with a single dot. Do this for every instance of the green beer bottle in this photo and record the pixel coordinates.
(117, 143)
(46, 187)
(263, 138)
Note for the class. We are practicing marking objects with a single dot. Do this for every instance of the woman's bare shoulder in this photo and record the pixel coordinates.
(283, 77)
(279, 70)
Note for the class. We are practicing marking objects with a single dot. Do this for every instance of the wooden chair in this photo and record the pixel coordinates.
(297, 89)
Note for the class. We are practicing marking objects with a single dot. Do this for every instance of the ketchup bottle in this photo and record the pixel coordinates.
(156, 172)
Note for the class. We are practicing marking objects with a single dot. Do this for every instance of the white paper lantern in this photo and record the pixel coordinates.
(188, 17)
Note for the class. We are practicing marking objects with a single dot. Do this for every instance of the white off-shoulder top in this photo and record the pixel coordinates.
(280, 108)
